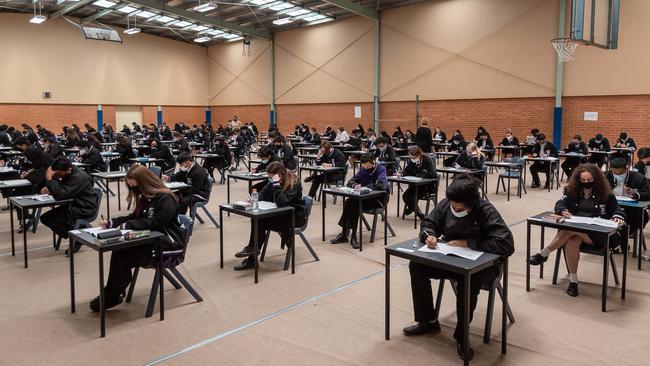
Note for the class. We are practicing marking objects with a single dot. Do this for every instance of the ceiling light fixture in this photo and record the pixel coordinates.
(320, 21)
(132, 30)
(127, 9)
(38, 18)
(283, 21)
(202, 8)
(202, 39)
(104, 4)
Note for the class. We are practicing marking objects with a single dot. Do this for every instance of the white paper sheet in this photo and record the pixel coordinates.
(445, 249)
(264, 205)
(591, 221)
(624, 198)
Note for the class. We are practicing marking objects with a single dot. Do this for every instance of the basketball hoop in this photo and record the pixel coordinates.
(565, 47)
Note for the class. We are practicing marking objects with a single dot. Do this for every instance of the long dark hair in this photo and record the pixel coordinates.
(287, 178)
(602, 189)
(148, 183)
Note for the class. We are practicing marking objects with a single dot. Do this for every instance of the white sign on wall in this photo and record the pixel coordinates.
(357, 111)
(591, 116)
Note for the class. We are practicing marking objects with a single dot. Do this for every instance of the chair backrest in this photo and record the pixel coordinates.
(186, 225)
(156, 170)
(309, 203)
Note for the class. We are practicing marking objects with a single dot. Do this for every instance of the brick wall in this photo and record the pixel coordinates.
(172, 114)
(53, 116)
(321, 115)
(260, 114)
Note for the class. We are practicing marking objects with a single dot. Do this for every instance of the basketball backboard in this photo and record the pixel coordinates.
(595, 22)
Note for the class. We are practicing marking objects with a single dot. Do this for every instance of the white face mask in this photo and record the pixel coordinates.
(82, 152)
(620, 178)
(415, 160)
(460, 214)
(186, 168)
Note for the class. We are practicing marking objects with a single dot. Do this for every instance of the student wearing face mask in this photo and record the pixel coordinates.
(624, 140)
(419, 165)
(588, 194)
(155, 209)
(456, 143)
(51, 147)
(65, 181)
(193, 175)
(125, 149)
(163, 152)
(282, 188)
(599, 143)
(471, 158)
(89, 155)
(576, 146)
(485, 143)
(544, 149)
(342, 136)
(180, 143)
(327, 157)
(629, 184)
(643, 165)
(386, 154)
(509, 139)
(373, 176)
(284, 153)
(398, 132)
(465, 220)
(313, 137)
(439, 135)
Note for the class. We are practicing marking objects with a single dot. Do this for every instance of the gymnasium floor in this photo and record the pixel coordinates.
(330, 312)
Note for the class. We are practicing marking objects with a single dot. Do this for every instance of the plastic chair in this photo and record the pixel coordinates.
(171, 259)
(375, 212)
(156, 170)
(300, 231)
(513, 174)
(495, 285)
(202, 205)
(83, 223)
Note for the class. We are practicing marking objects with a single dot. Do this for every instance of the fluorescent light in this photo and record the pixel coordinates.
(297, 12)
(282, 6)
(181, 24)
(199, 28)
(261, 2)
(239, 38)
(145, 14)
(202, 8)
(202, 39)
(283, 21)
(127, 9)
(215, 32)
(38, 19)
(104, 3)
(132, 30)
(313, 18)
(320, 21)
(229, 35)
(164, 19)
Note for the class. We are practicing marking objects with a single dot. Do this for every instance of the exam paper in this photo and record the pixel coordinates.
(445, 249)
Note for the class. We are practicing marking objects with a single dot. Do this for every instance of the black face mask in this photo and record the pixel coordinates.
(587, 185)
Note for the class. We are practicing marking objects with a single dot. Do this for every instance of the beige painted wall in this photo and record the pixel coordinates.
(54, 56)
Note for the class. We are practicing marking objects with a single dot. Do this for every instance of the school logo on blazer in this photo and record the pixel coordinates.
(150, 212)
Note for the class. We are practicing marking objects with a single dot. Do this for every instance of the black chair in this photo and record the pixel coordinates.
(202, 205)
(431, 197)
(495, 285)
(81, 223)
(171, 259)
(309, 202)
(375, 212)
(156, 170)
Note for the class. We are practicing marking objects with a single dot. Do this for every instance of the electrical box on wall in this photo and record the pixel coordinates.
(47, 95)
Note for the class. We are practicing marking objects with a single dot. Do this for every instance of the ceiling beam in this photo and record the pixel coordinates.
(355, 8)
(70, 8)
(196, 16)
(97, 15)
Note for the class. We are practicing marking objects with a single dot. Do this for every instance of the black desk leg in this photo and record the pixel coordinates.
(24, 211)
(11, 223)
(119, 199)
(324, 203)
(541, 246)
(360, 225)
(416, 208)
(504, 309)
(508, 170)
(527, 256)
(638, 240)
(606, 274)
(161, 281)
(385, 223)
(549, 178)
(228, 190)
(387, 298)
(71, 255)
(627, 242)
(102, 296)
(466, 310)
(221, 237)
(399, 195)
(108, 201)
(256, 248)
(293, 243)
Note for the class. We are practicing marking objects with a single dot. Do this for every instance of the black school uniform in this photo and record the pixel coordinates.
(388, 155)
(571, 162)
(424, 168)
(337, 159)
(157, 213)
(200, 189)
(641, 185)
(485, 230)
(603, 145)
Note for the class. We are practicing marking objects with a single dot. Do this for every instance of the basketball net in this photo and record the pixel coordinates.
(565, 48)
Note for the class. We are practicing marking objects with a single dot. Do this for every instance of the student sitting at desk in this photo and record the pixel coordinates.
(625, 141)
(628, 184)
(398, 132)
(542, 149)
(284, 153)
(576, 146)
(599, 143)
(313, 137)
(471, 158)
(219, 147)
(65, 181)
(373, 176)
(283, 188)
(439, 135)
(456, 143)
(180, 142)
(480, 131)
(643, 165)
(419, 165)
(51, 147)
(465, 220)
(125, 149)
(532, 138)
(588, 194)
(485, 143)
(509, 140)
(162, 151)
(327, 157)
(385, 153)
(342, 136)
(193, 175)
(155, 209)
(88, 154)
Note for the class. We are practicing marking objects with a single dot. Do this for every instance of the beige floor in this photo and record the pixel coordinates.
(329, 313)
